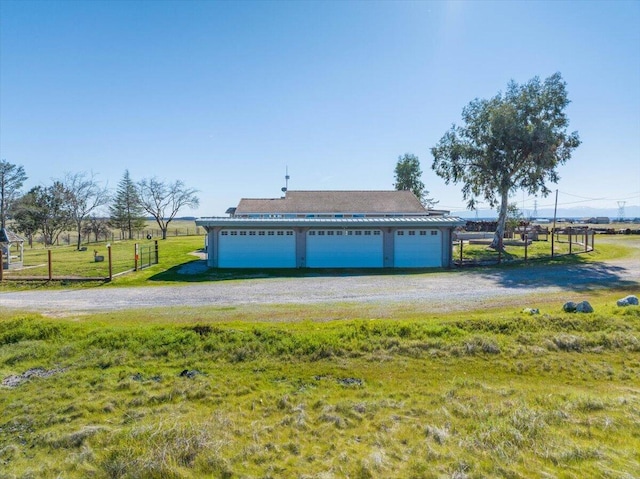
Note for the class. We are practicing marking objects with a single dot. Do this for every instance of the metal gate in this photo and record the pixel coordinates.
(146, 255)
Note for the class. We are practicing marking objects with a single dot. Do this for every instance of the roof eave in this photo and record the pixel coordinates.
(419, 221)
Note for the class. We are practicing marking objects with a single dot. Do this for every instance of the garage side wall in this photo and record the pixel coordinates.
(447, 248)
(212, 246)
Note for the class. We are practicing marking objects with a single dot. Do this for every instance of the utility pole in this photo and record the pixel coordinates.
(553, 230)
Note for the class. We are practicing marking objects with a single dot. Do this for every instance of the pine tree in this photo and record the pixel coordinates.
(126, 213)
(408, 174)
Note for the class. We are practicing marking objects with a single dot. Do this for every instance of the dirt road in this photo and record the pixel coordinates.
(451, 290)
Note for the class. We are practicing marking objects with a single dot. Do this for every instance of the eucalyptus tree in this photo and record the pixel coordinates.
(12, 177)
(163, 200)
(512, 141)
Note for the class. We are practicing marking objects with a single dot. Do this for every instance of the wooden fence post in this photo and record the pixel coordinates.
(110, 263)
(136, 256)
(50, 264)
(570, 241)
(156, 250)
(552, 240)
(526, 242)
(461, 242)
(586, 240)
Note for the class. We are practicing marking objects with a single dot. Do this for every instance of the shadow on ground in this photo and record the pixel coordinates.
(574, 275)
(571, 273)
(197, 272)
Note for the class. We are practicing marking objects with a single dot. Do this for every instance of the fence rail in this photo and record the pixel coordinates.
(69, 238)
(67, 264)
(560, 242)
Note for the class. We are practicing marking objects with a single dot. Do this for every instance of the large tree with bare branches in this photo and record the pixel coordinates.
(85, 195)
(163, 200)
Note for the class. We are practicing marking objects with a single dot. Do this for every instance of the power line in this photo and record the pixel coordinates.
(621, 209)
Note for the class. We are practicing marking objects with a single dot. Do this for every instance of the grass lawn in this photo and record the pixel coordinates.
(317, 391)
(299, 391)
(68, 262)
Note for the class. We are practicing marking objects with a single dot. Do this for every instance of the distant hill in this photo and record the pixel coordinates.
(630, 212)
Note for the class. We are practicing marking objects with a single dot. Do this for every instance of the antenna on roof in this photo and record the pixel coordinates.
(286, 180)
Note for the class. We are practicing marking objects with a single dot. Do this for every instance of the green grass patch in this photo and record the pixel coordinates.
(607, 247)
(317, 391)
(68, 262)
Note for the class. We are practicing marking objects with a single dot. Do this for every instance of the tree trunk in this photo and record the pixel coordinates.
(164, 233)
(502, 221)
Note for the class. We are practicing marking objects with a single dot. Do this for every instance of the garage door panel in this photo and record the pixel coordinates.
(344, 249)
(257, 249)
(417, 248)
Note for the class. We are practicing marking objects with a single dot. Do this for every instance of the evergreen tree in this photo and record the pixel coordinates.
(408, 174)
(126, 213)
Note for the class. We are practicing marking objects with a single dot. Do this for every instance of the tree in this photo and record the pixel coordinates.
(97, 227)
(12, 177)
(408, 174)
(514, 140)
(44, 209)
(27, 216)
(163, 200)
(85, 195)
(126, 213)
(514, 217)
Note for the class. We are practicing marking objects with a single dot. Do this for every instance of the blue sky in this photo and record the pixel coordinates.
(226, 95)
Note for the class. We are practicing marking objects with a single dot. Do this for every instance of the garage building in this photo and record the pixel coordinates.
(331, 229)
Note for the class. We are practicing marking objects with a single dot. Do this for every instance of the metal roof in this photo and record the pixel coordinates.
(7, 236)
(404, 221)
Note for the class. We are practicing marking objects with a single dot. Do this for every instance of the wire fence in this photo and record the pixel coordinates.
(469, 250)
(70, 238)
(67, 263)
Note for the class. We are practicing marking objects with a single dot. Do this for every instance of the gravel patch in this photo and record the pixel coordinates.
(14, 381)
(441, 291)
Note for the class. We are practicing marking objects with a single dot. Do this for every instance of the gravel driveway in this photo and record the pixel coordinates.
(451, 290)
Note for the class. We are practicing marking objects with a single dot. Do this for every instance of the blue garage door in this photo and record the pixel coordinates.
(417, 248)
(344, 248)
(257, 249)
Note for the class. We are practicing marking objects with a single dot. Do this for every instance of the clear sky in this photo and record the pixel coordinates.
(226, 95)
